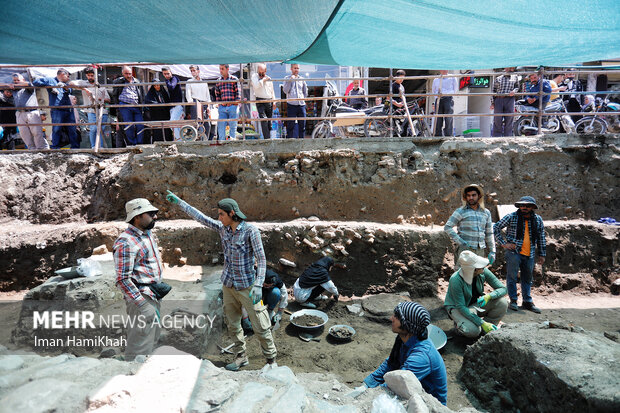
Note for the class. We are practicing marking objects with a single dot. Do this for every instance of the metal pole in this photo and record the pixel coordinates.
(242, 106)
(98, 111)
(541, 80)
(391, 105)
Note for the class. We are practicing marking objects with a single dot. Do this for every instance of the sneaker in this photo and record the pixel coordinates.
(240, 361)
(531, 307)
(308, 305)
(513, 306)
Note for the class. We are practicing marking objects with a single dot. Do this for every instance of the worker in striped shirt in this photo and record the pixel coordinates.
(242, 277)
(138, 265)
(474, 225)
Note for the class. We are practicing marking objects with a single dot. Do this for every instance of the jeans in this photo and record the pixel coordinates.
(265, 110)
(176, 113)
(296, 130)
(445, 106)
(227, 112)
(272, 299)
(514, 263)
(64, 116)
(92, 118)
(502, 125)
(132, 132)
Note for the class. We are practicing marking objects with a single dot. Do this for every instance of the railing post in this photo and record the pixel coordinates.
(391, 105)
(242, 96)
(541, 82)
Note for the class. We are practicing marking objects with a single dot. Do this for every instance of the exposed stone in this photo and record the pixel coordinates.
(287, 263)
(403, 382)
(100, 250)
(567, 371)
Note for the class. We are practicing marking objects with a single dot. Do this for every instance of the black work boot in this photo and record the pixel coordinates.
(531, 307)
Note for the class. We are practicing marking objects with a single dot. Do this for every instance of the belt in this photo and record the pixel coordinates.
(228, 104)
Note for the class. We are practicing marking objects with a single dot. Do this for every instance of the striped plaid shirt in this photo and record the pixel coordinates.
(136, 258)
(227, 91)
(242, 249)
(510, 221)
(504, 84)
(474, 227)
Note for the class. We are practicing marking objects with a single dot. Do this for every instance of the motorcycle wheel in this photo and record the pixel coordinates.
(553, 124)
(374, 128)
(590, 126)
(522, 123)
(321, 130)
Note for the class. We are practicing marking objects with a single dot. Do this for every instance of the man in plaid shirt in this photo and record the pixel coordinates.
(473, 221)
(503, 101)
(242, 282)
(525, 233)
(226, 92)
(138, 264)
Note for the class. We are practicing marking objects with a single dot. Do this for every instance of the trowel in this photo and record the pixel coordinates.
(309, 337)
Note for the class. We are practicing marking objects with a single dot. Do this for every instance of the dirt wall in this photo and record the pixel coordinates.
(387, 181)
(378, 257)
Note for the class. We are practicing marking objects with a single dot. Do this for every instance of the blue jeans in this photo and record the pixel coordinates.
(272, 299)
(295, 130)
(176, 113)
(92, 118)
(514, 263)
(64, 116)
(132, 132)
(227, 112)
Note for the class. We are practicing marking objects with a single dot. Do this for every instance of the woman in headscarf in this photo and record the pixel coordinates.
(314, 281)
(413, 351)
(157, 94)
(466, 300)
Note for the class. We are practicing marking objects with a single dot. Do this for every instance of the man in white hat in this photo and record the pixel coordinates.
(466, 301)
(474, 225)
(138, 265)
(524, 235)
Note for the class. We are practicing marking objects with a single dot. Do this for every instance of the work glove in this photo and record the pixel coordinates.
(357, 391)
(491, 258)
(256, 294)
(482, 301)
(158, 315)
(172, 197)
(488, 327)
(277, 317)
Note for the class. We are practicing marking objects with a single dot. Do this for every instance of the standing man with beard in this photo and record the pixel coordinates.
(262, 87)
(525, 232)
(138, 272)
(474, 225)
(295, 88)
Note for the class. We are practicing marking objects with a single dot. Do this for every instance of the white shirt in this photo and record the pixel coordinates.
(198, 91)
(449, 85)
(101, 95)
(262, 88)
(302, 294)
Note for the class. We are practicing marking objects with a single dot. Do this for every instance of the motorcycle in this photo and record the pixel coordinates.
(528, 125)
(595, 123)
(401, 126)
(348, 122)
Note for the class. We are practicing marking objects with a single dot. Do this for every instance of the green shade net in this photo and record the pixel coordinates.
(432, 34)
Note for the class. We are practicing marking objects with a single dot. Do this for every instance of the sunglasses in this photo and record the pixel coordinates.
(152, 213)
(526, 206)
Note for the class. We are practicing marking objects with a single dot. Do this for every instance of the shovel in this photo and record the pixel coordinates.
(308, 337)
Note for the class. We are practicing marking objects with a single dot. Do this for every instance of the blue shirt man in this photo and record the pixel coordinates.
(59, 96)
(176, 95)
(534, 88)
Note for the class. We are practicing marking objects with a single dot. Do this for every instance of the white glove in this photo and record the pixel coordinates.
(256, 294)
(357, 391)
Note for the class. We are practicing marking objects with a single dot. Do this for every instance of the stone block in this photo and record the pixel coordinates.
(403, 382)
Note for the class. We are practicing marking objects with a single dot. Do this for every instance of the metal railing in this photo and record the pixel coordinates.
(245, 83)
